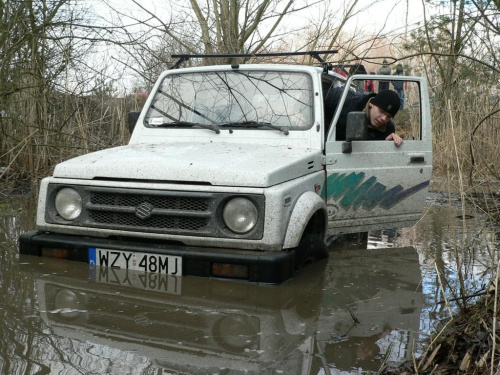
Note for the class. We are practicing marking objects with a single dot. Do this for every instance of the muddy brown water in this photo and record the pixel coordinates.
(367, 302)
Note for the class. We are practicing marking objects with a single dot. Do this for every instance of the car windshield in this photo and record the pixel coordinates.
(235, 99)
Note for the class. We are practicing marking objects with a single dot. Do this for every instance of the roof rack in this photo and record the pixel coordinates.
(316, 54)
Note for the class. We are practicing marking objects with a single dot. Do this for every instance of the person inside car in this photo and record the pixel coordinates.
(380, 109)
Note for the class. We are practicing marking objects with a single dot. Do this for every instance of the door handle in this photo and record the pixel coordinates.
(417, 158)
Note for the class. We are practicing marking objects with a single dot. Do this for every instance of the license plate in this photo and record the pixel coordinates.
(128, 260)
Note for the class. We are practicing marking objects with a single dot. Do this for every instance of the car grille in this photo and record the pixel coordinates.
(159, 222)
(151, 211)
(164, 202)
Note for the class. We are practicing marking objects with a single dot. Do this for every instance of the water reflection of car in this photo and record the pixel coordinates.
(193, 325)
(185, 325)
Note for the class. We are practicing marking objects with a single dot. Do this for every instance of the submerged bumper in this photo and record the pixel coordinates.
(263, 266)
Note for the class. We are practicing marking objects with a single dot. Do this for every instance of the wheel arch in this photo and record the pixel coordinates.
(309, 216)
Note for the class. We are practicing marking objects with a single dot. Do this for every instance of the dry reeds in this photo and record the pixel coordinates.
(466, 135)
(34, 142)
(476, 132)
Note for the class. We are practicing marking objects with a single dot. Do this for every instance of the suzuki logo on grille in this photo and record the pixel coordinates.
(144, 210)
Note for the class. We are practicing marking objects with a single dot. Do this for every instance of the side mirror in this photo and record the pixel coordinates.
(355, 130)
(132, 118)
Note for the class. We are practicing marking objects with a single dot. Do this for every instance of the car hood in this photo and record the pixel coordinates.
(216, 164)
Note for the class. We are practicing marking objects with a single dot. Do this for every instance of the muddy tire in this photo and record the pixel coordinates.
(311, 248)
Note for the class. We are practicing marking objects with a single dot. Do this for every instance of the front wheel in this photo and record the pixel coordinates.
(311, 248)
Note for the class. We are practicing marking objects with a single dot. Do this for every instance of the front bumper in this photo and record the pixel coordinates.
(272, 267)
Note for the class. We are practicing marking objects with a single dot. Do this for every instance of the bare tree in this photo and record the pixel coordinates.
(458, 50)
(47, 72)
(214, 26)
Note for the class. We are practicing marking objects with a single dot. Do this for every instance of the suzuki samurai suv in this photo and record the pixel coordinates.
(232, 171)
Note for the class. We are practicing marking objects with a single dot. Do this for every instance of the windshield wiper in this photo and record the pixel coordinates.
(255, 124)
(212, 127)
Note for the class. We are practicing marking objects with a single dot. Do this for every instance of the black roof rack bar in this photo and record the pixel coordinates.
(184, 57)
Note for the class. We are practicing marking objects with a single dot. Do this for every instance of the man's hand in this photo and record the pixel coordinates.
(398, 141)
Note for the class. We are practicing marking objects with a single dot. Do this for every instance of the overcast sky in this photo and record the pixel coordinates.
(379, 11)
(392, 15)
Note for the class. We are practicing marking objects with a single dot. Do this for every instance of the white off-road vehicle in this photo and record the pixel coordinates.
(232, 171)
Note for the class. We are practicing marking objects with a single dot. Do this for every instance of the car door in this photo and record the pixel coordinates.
(378, 185)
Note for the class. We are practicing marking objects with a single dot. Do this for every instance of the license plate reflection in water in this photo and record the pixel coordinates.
(156, 263)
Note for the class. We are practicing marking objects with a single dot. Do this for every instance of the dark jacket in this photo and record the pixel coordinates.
(355, 101)
(398, 85)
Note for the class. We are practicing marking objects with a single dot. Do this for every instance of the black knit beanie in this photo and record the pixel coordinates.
(387, 100)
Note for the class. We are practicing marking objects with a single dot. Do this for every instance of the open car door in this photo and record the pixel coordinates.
(378, 185)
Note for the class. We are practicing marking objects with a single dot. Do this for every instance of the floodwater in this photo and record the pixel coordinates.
(366, 306)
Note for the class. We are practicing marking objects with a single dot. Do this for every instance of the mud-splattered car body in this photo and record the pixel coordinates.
(232, 171)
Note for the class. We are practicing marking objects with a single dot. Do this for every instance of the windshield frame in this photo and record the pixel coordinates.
(281, 119)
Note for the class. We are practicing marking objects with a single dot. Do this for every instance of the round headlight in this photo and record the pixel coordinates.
(240, 215)
(68, 203)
